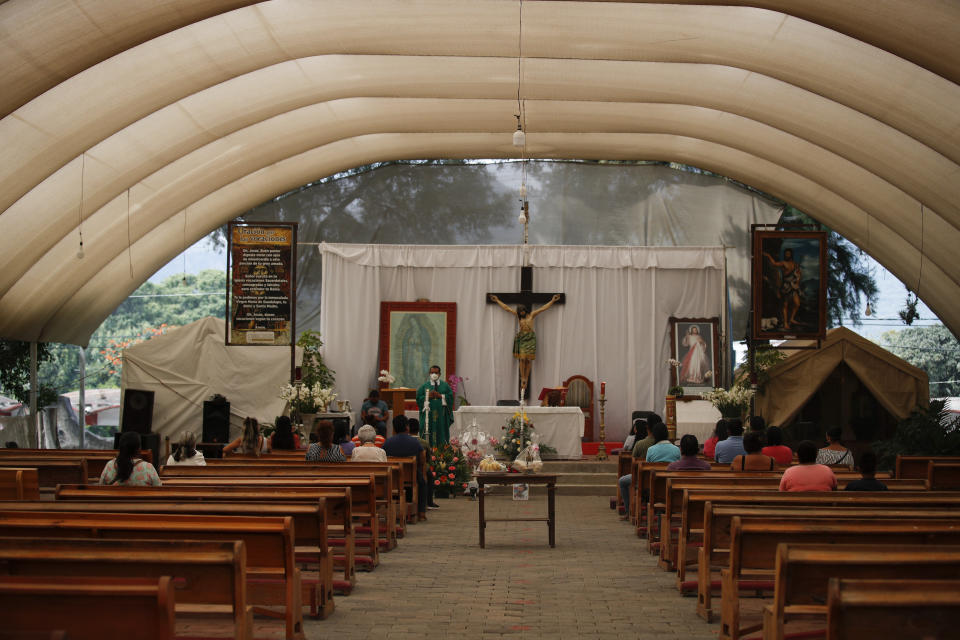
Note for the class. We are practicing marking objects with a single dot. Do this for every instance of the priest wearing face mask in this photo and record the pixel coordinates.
(435, 400)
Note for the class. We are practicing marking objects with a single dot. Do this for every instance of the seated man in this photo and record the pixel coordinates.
(639, 452)
(868, 472)
(404, 445)
(378, 409)
(732, 447)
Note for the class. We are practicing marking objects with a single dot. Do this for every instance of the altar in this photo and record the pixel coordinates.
(698, 417)
(559, 427)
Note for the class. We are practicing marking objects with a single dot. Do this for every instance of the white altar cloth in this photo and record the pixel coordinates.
(559, 427)
(698, 417)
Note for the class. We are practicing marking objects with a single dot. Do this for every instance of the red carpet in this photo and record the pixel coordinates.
(590, 448)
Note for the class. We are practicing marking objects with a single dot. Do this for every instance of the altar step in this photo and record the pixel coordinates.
(581, 477)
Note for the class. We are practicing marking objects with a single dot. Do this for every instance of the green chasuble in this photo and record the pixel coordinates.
(437, 423)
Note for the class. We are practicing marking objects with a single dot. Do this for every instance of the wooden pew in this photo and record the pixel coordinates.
(803, 571)
(51, 472)
(206, 573)
(96, 459)
(363, 498)
(943, 476)
(272, 577)
(383, 477)
(309, 520)
(695, 505)
(754, 540)
(916, 466)
(670, 520)
(905, 609)
(19, 484)
(714, 554)
(89, 608)
(313, 530)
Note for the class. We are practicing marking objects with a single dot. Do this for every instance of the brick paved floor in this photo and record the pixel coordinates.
(599, 581)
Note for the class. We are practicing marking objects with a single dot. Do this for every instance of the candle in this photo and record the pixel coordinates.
(603, 388)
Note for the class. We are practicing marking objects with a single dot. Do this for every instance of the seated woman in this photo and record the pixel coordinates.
(378, 439)
(325, 449)
(835, 452)
(719, 435)
(283, 436)
(753, 460)
(631, 438)
(250, 443)
(368, 451)
(689, 448)
(127, 469)
(776, 449)
(186, 453)
(341, 436)
(808, 475)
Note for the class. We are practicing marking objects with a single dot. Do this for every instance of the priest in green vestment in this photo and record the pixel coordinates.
(435, 400)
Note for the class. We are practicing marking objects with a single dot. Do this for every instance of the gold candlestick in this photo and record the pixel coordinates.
(602, 449)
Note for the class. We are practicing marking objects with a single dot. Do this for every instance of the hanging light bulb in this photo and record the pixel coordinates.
(80, 253)
(519, 138)
(522, 218)
(869, 310)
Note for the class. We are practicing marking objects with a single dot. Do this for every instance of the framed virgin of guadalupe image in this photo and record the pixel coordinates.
(789, 285)
(415, 336)
(694, 342)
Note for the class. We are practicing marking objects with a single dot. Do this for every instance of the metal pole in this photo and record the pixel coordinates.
(34, 416)
(82, 399)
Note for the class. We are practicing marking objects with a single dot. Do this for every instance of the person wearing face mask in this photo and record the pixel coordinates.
(435, 400)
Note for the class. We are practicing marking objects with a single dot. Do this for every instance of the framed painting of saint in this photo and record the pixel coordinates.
(789, 285)
(415, 336)
(695, 344)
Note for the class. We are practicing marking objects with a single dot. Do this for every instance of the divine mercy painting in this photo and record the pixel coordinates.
(694, 345)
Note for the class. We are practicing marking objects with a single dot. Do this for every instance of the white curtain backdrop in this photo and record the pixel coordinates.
(613, 327)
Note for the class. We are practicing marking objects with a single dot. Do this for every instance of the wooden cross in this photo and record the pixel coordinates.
(526, 296)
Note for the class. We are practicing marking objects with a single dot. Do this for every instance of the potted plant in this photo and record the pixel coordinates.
(313, 370)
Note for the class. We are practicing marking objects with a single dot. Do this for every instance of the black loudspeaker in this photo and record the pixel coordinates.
(147, 441)
(216, 422)
(137, 411)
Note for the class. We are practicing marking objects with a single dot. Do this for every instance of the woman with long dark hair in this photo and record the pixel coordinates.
(283, 436)
(127, 468)
(325, 449)
(186, 453)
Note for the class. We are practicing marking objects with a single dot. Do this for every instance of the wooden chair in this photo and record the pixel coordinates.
(580, 394)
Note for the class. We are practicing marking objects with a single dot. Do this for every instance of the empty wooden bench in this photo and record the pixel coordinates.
(205, 573)
(902, 609)
(96, 459)
(803, 571)
(916, 466)
(19, 484)
(943, 476)
(51, 472)
(272, 577)
(88, 608)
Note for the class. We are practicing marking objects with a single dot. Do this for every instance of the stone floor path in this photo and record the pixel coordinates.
(599, 581)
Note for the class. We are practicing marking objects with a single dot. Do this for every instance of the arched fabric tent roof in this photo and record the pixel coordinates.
(145, 124)
(897, 385)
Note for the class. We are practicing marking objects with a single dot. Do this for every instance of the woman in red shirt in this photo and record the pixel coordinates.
(776, 449)
(710, 444)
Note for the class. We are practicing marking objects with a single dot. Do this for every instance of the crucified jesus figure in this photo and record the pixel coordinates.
(525, 343)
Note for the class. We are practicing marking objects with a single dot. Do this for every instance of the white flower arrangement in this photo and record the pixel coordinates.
(386, 377)
(731, 403)
(307, 399)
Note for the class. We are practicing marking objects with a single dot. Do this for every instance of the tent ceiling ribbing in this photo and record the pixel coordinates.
(179, 115)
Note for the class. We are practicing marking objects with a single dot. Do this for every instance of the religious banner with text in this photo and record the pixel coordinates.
(261, 296)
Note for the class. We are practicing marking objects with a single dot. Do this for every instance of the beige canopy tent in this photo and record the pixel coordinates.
(898, 386)
(139, 125)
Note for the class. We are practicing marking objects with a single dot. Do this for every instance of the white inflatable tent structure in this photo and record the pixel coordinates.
(139, 125)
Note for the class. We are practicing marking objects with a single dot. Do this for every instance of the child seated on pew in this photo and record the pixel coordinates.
(808, 475)
(868, 471)
(128, 470)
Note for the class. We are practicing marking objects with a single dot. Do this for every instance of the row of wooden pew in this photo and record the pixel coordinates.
(270, 535)
(824, 561)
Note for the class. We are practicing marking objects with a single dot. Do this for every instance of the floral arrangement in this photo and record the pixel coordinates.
(512, 443)
(459, 382)
(474, 444)
(386, 377)
(305, 399)
(450, 469)
(677, 389)
(732, 403)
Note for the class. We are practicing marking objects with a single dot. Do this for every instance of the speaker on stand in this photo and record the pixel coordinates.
(137, 411)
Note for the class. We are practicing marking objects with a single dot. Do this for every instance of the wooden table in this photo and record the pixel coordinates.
(520, 478)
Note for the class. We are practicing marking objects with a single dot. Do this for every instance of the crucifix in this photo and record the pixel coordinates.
(525, 342)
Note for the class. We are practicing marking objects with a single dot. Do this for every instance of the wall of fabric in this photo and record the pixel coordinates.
(613, 327)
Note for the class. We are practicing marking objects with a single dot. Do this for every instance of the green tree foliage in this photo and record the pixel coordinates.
(172, 302)
(933, 349)
(15, 370)
(932, 431)
(849, 278)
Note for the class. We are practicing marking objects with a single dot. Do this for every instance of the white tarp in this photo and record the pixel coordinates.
(191, 363)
